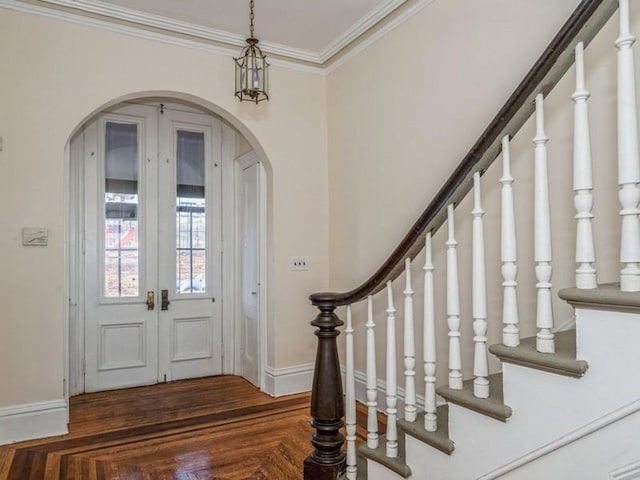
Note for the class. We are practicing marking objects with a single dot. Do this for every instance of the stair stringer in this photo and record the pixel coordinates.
(598, 455)
(545, 406)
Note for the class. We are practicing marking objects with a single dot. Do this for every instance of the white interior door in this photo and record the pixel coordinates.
(190, 246)
(120, 232)
(152, 226)
(250, 288)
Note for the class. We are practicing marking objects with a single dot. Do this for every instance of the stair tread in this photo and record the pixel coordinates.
(438, 439)
(397, 465)
(563, 362)
(607, 294)
(493, 406)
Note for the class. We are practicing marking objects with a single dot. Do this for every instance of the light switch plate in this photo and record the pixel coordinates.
(298, 263)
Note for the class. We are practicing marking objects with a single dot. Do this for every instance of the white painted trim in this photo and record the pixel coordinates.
(263, 274)
(69, 263)
(567, 439)
(361, 26)
(248, 159)
(288, 380)
(167, 38)
(33, 420)
(240, 163)
(298, 378)
(567, 325)
(292, 58)
(229, 252)
(381, 385)
(628, 472)
(74, 267)
(177, 26)
(228, 38)
(374, 37)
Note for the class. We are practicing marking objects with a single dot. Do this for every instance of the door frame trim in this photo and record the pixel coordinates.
(242, 162)
(74, 259)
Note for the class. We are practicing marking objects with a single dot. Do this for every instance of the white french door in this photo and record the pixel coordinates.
(152, 202)
(190, 250)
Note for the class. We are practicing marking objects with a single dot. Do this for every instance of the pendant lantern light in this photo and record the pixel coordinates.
(252, 69)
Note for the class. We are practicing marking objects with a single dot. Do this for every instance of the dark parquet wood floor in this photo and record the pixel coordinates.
(217, 428)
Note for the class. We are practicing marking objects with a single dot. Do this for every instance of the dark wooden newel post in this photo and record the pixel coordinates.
(327, 461)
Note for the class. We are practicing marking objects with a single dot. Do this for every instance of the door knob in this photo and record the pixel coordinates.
(151, 303)
(164, 300)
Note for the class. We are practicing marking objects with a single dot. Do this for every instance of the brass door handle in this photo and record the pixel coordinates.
(151, 303)
(164, 300)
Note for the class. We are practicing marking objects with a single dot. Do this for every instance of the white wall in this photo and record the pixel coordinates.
(405, 111)
(54, 75)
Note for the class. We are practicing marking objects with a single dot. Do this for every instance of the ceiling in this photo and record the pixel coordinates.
(308, 30)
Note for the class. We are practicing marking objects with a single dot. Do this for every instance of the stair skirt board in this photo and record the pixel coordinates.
(567, 439)
(611, 440)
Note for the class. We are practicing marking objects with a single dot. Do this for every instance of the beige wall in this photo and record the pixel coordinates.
(404, 112)
(54, 74)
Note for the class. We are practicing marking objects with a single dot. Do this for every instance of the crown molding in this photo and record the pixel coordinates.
(116, 12)
(361, 26)
(378, 34)
(79, 19)
(290, 58)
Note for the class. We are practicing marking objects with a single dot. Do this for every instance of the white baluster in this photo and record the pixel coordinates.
(582, 179)
(628, 164)
(429, 342)
(409, 349)
(542, 230)
(372, 379)
(510, 331)
(350, 400)
(392, 387)
(453, 306)
(479, 295)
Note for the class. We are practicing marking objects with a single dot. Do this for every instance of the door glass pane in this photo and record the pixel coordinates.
(121, 248)
(190, 212)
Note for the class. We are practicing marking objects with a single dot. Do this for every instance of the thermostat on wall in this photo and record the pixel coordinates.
(35, 236)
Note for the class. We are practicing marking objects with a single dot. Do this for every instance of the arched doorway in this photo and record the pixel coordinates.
(166, 247)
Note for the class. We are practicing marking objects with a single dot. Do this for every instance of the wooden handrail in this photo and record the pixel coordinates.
(583, 24)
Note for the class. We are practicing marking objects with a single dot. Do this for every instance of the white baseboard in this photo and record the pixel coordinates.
(288, 380)
(296, 379)
(33, 420)
(381, 385)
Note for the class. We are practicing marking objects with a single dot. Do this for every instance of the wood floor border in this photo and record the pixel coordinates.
(33, 459)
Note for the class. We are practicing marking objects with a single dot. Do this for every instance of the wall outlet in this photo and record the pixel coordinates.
(298, 263)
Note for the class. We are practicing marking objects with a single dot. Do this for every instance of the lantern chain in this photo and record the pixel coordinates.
(251, 16)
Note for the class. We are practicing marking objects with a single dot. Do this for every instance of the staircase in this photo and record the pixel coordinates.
(571, 415)
(566, 404)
